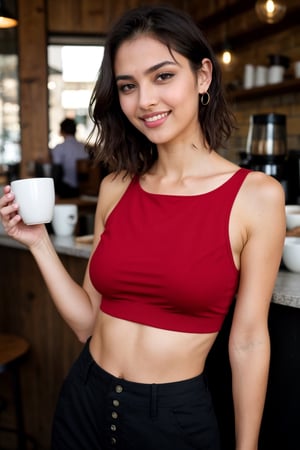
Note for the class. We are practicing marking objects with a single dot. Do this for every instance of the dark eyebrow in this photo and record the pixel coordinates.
(148, 71)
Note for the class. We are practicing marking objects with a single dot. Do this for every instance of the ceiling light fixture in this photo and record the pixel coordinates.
(7, 20)
(226, 57)
(270, 11)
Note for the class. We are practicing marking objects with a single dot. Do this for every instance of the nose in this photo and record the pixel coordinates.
(147, 95)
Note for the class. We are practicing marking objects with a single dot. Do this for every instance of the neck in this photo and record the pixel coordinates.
(179, 163)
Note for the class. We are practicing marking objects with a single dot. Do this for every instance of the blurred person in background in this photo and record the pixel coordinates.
(64, 159)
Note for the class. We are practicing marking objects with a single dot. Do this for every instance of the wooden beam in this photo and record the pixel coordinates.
(228, 12)
(261, 31)
(33, 82)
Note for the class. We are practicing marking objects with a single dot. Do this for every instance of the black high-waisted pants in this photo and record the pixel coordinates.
(99, 411)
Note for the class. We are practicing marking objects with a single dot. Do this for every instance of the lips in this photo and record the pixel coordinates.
(155, 119)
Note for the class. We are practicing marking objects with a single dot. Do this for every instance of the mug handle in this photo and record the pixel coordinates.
(72, 219)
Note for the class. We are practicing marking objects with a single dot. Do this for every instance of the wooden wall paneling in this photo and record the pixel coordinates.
(33, 81)
(27, 309)
(94, 17)
(117, 8)
(78, 17)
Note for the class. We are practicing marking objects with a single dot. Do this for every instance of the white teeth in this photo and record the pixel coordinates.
(154, 118)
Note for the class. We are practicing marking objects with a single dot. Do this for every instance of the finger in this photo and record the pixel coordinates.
(8, 211)
(11, 221)
(14, 220)
(9, 197)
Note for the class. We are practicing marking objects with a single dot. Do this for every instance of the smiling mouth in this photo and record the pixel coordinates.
(156, 117)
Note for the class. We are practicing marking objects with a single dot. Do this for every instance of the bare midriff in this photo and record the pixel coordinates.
(146, 354)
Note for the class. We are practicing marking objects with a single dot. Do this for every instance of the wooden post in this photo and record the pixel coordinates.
(32, 43)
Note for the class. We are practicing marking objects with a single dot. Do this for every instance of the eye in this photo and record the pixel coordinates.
(125, 88)
(165, 76)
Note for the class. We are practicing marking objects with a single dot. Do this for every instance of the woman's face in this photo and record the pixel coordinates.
(158, 91)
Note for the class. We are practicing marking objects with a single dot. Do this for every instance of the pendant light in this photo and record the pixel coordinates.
(7, 19)
(270, 11)
(226, 56)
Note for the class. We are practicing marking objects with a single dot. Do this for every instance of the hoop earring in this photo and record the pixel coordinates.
(205, 99)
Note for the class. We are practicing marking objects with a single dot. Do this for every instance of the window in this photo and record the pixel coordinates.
(72, 72)
(10, 148)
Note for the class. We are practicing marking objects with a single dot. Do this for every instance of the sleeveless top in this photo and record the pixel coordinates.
(165, 260)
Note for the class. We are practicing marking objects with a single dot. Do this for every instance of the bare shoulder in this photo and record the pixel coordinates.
(112, 188)
(262, 188)
(262, 201)
(115, 182)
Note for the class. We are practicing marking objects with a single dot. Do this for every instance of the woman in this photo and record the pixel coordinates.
(179, 232)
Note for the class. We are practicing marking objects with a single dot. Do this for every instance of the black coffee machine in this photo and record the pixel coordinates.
(293, 177)
(266, 148)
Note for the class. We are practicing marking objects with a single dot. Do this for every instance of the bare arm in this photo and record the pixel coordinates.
(249, 345)
(78, 305)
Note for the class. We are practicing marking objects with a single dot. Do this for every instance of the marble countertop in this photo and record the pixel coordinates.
(286, 291)
(63, 245)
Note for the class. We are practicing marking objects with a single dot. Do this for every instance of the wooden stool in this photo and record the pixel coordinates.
(12, 350)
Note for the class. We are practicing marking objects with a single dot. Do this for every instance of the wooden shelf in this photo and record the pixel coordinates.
(265, 91)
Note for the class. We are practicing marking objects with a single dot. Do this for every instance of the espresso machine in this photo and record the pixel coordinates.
(266, 151)
(293, 177)
(266, 148)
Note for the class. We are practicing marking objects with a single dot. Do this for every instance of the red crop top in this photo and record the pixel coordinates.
(166, 261)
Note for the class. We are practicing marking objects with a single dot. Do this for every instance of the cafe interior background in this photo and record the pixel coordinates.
(49, 61)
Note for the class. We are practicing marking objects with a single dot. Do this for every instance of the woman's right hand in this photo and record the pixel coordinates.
(13, 224)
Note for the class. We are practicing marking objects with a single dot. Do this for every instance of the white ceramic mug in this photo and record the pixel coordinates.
(36, 198)
(249, 74)
(276, 74)
(65, 219)
(297, 69)
(261, 73)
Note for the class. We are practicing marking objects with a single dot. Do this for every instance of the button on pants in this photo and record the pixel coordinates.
(97, 411)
